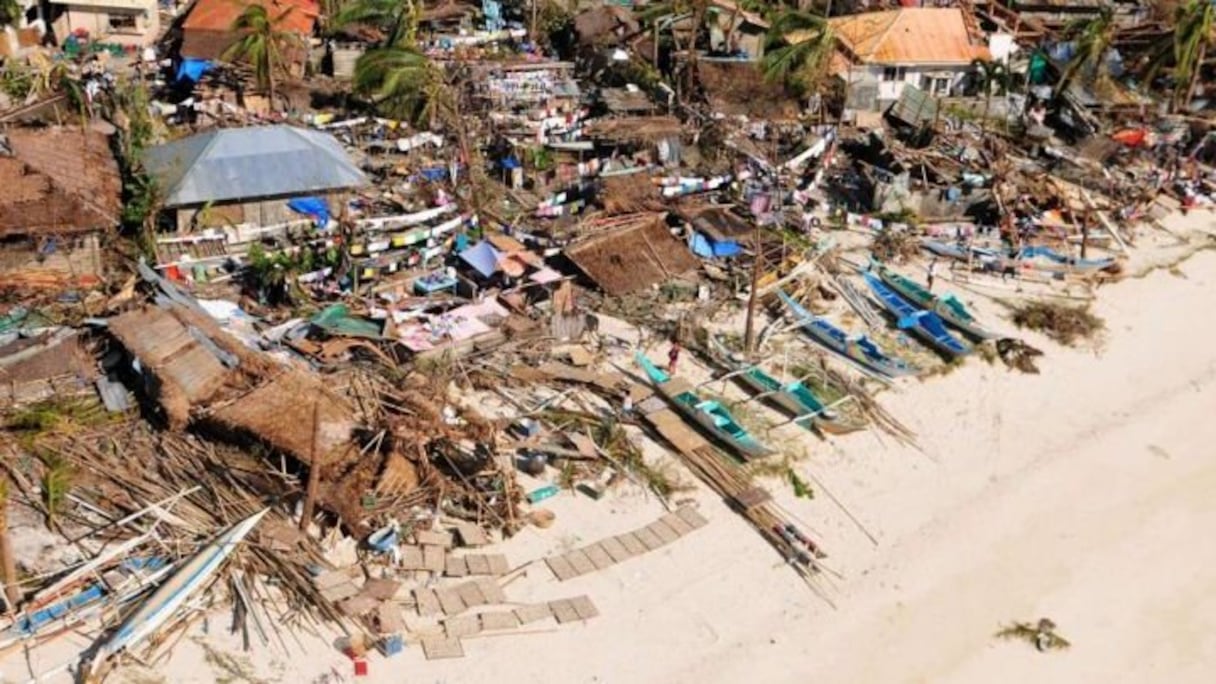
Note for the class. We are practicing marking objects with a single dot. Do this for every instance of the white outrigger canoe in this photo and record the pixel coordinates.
(170, 596)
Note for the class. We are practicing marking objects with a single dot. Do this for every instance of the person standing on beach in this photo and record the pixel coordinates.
(673, 357)
(932, 273)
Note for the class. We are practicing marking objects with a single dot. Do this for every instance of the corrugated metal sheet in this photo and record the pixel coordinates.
(913, 35)
(248, 163)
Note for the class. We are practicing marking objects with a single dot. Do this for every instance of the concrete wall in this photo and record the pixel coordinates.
(259, 213)
(935, 80)
(96, 19)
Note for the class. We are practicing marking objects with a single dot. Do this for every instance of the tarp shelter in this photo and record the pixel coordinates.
(483, 258)
(708, 247)
(228, 164)
(315, 207)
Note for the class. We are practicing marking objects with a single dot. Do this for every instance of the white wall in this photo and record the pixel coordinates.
(890, 90)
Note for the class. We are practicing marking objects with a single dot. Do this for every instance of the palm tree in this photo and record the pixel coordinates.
(263, 44)
(802, 45)
(1194, 33)
(398, 18)
(1093, 38)
(10, 12)
(402, 83)
(991, 76)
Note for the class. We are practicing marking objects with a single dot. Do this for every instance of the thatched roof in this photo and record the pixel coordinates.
(633, 257)
(629, 194)
(280, 413)
(739, 89)
(58, 181)
(603, 24)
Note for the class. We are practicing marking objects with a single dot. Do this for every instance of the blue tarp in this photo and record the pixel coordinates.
(482, 257)
(192, 69)
(708, 248)
(511, 163)
(311, 206)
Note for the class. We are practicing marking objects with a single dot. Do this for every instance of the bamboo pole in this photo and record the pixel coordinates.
(314, 473)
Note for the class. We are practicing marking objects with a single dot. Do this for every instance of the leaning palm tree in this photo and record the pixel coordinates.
(1093, 38)
(397, 18)
(263, 44)
(1194, 33)
(801, 48)
(402, 83)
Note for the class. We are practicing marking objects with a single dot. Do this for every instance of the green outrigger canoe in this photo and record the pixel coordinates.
(794, 398)
(946, 306)
(711, 416)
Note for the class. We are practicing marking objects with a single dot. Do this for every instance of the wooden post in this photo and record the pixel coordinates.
(8, 564)
(314, 472)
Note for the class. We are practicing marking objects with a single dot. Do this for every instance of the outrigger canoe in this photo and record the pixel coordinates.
(947, 306)
(711, 416)
(860, 349)
(794, 398)
(153, 613)
(926, 324)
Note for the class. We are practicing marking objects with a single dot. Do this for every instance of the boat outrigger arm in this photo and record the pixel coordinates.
(814, 414)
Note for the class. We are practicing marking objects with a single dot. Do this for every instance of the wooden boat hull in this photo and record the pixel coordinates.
(925, 324)
(938, 305)
(689, 405)
(778, 396)
(835, 340)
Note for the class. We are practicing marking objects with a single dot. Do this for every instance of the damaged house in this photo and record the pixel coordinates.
(62, 193)
(230, 187)
(883, 52)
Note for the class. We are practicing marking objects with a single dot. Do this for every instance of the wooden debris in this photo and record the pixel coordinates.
(436, 648)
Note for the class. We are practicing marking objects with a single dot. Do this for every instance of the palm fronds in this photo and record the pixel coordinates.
(1093, 38)
(1041, 635)
(801, 48)
(402, 83)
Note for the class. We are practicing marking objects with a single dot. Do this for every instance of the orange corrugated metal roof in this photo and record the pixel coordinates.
(218, 15)
(913, 35)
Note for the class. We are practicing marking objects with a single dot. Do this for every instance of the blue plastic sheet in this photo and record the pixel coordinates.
(311, 206)
(192, 69)
(708, 248)
(482, 257)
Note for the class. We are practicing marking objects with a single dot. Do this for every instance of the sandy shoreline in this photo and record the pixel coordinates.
(1081, 494)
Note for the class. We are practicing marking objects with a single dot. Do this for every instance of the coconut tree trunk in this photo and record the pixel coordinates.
(1190, 87)
(8, 564)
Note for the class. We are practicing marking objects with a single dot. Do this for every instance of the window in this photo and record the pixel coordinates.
(894, 73)
(943, 87)
(122, 22)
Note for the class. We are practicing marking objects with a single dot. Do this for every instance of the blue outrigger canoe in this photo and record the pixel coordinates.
(928, 325)
(711, 416)
(860, 349)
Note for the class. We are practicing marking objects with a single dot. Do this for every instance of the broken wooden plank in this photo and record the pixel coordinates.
(440, 538)
(498, 564)
(435, 648)
(692, 516)
(632, 544)
(580, 562)
(478, 564)
(615, 549)
(563, 611)
(648, 538)
(456, 566)
(449, 601)
(427, 602)
(561, 568)
(469, 594)
(532, 612)
(676, 523)
(490, 590)
(433, 559)
(599, 557)
(502, 619)
(461, 626)
(584, 607)
(411, 558)
(470, 534)
(380, 589)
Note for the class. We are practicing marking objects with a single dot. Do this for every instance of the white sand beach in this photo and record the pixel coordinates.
(1083, 494)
